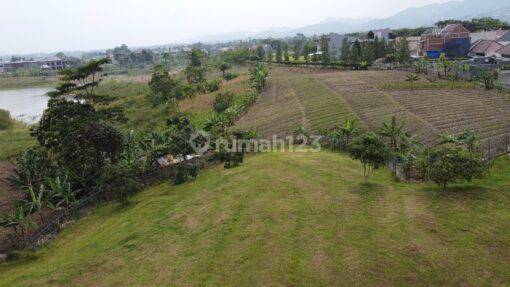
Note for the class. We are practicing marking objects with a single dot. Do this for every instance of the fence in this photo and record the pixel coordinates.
(58, 220)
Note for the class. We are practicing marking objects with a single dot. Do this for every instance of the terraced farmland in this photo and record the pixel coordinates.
(323, 99)
(293, 99)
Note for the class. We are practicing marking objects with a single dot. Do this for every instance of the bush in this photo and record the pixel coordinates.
(32, 168)
(184, 171)
(230, 76)
(488, 78)
(6, 122)
(223, 101)
(451, 163)
(118, 183)
(213, 85)
(412, 77)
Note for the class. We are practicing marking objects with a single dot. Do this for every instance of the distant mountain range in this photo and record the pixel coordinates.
(409, 18)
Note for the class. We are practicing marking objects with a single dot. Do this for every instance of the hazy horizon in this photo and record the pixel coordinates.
(56, 25)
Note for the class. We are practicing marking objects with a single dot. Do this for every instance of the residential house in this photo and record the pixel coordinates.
(497, 35)
(504, 52)
(486, 48)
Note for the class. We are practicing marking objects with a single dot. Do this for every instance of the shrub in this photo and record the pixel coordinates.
(213, 85)
(451, 163)
(183, 171)
(118, 183)
(300, 135)
(222, 102)
(230, 76)
(32, 167)
(488, 78)
(6, 122)
(412, 77)
(370, 150)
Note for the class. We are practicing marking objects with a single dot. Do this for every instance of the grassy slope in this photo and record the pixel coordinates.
(14, 141)
(286, 219)
(7, 83)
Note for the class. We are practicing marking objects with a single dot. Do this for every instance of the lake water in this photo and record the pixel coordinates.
(26, 105)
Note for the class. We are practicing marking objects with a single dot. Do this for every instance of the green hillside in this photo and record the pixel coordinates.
(285, 219)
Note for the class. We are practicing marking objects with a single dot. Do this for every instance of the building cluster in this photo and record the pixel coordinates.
(46, 64)
(454, 40)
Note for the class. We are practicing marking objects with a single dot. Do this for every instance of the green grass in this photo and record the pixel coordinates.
(14, 141)
(142, 116)
(8, 83)
(286, 219)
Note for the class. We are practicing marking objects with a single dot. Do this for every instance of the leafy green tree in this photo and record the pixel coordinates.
(370, 150)
(279, 53)
(164, 88)
(355, 54)
(81, 82)
(260, 53)
(325, 57)
(403, 53)
(269, 56)
(195, 71)
(345, 51)
(78, 139)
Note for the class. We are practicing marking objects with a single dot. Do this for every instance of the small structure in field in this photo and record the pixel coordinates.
(453, 40)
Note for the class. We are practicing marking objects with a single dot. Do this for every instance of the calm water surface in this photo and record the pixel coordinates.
(26, 105)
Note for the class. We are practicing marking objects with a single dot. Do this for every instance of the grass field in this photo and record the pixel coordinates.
(322, 99)
(14, 141)
(286, 219)
(7, 83)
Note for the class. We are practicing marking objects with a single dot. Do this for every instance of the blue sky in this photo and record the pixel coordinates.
(30, 26)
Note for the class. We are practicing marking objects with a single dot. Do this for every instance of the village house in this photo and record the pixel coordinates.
(497, 35)
(504, 52)
(485, 48)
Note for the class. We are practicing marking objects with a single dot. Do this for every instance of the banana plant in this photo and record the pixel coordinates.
(62, 194)
(19, 220)
(36, 200)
